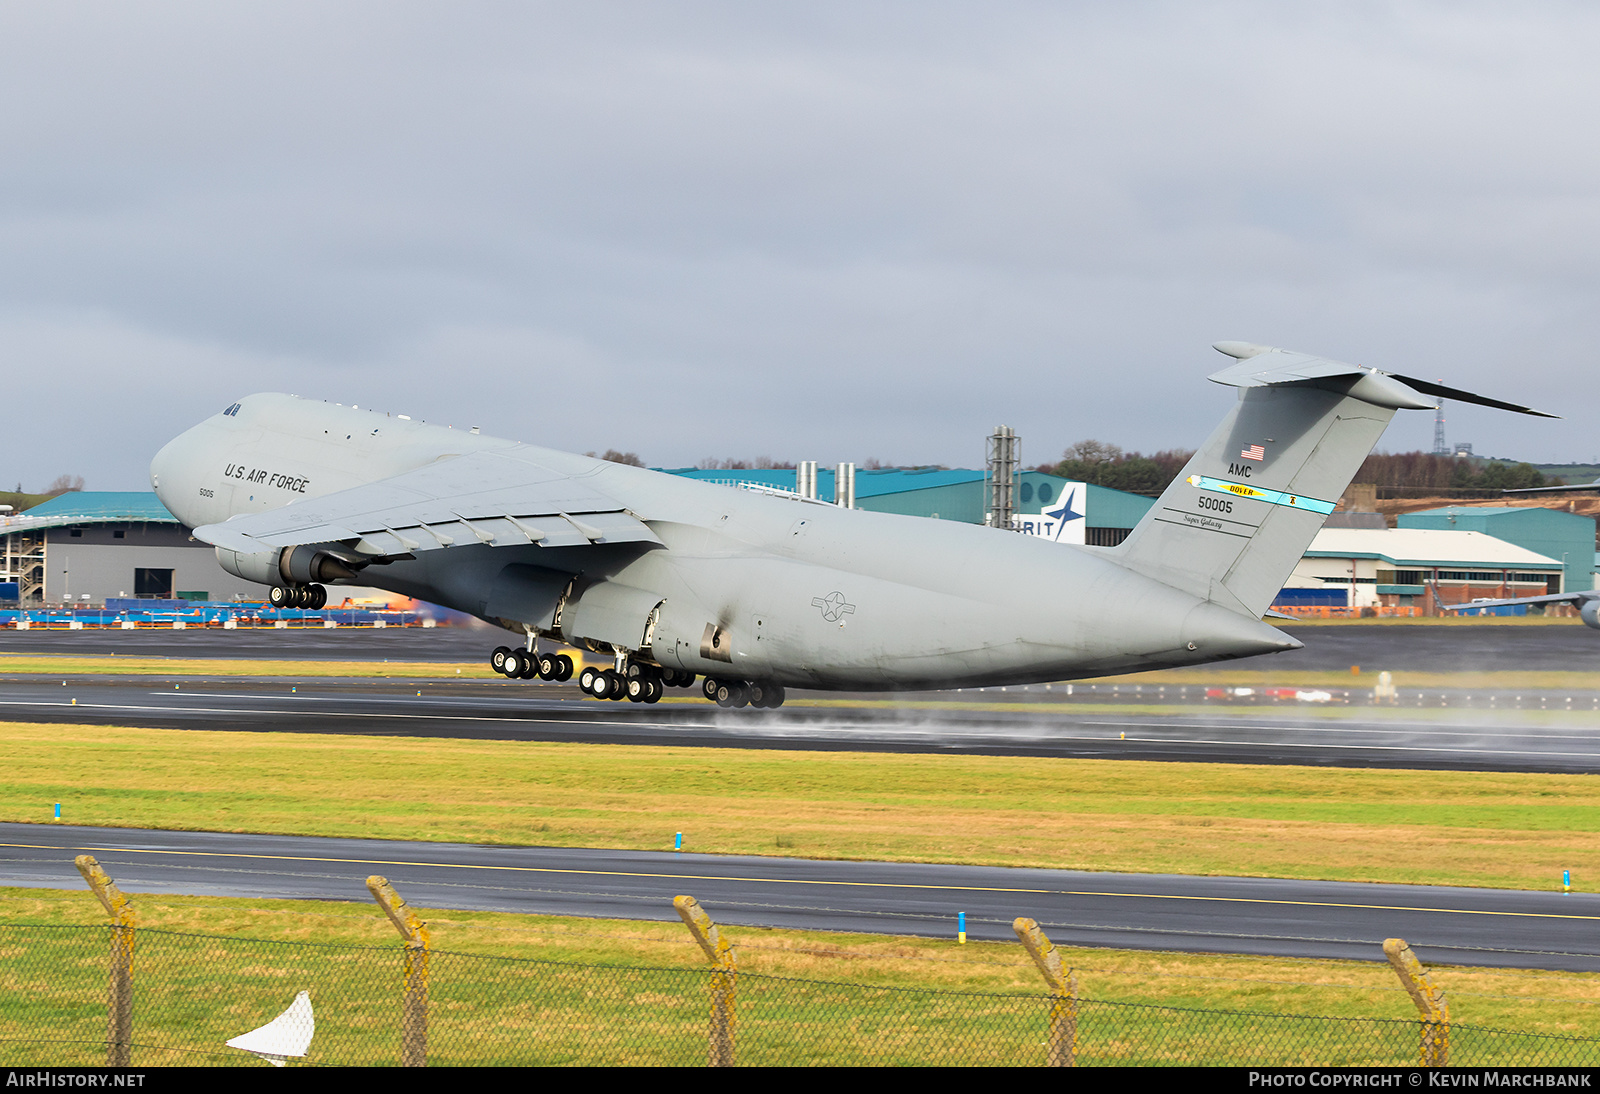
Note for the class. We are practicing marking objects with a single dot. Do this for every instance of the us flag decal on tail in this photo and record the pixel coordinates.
(1254, 452)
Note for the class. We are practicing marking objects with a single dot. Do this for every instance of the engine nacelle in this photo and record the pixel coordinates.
(289, 566)
(305, 565)
(258, 566)
(1589, 612)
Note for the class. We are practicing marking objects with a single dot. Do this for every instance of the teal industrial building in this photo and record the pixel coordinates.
(1565, 537)
(949, 494)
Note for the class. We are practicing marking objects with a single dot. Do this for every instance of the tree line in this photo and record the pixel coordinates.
(1108, 465)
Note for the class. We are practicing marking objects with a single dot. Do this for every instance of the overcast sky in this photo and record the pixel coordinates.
(807, 231)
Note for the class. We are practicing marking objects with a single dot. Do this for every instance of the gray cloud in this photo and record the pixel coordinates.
(832, 232)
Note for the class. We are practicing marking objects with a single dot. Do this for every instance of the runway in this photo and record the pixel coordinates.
(1455, 731)
(1488, 927)
(1398, 647)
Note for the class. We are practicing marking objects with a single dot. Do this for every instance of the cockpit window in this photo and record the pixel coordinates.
(232, 411)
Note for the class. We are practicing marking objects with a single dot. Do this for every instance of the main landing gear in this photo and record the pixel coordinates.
(310, 597)
(523, 665)
(641, 683)
(741, 693)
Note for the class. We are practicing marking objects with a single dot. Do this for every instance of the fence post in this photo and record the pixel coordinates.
(1429, 999)
(1062, 1050)
(414, 1007)
(719, 951)
(119, 1002)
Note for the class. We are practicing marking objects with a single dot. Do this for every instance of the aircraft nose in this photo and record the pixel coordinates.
(161, 468)
(174, 474)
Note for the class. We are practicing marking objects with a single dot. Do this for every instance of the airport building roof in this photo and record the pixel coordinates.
(1550, 532)
(1426, 547)
(89, 507)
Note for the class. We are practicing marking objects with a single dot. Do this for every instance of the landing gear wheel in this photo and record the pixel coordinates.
(655, 692)
(278, 597)
(497, 659)
(733, 695)
(766, 696)
(547, 666)
(619, 685)
(586, 682)
(638, 688)
(564, 667)
(709, 689)
(317, 597)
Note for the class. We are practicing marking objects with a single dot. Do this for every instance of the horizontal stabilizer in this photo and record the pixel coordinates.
(1261, 366)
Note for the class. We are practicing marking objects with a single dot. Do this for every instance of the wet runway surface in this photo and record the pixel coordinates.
(1489, 927)
(1396, 647)
(1439, 730)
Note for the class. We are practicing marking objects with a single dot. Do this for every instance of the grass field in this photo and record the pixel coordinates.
(1478, 829)
(1552, 1003)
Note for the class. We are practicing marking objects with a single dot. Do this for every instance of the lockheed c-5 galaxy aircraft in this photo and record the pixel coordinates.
(675, 579)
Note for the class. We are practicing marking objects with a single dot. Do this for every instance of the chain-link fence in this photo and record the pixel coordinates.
(190, 993)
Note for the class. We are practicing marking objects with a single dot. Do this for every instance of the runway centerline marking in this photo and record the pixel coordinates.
(813, 881)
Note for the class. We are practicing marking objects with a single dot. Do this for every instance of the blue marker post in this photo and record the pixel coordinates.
(961, 927)
(58, 810)
(1566, 875)
(677, 844)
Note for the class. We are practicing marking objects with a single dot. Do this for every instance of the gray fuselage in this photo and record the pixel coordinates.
(800, 593)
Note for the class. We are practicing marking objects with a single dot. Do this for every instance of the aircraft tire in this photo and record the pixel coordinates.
(710, 689)
(733, 695)
(586, 680)
(548, 668)
(318, 597)
(657, 689)
(618, 686)
(638, 688)
(564, 667)
(278, 597)
(497, 659)
(527, 665)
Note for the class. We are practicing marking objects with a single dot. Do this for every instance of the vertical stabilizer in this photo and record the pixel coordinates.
(1232, 526)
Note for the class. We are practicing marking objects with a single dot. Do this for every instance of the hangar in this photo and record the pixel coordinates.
(90, 546)
(1407, 567)
(1567, 537)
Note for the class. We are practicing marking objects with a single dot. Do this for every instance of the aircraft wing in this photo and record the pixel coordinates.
(1556, 489)
(1549, 598)
(501, 497)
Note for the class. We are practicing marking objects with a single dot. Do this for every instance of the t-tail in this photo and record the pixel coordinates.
(1232, 526)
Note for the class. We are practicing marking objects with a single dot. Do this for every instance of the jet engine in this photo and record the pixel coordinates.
(1589, 612)
(289, 566)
